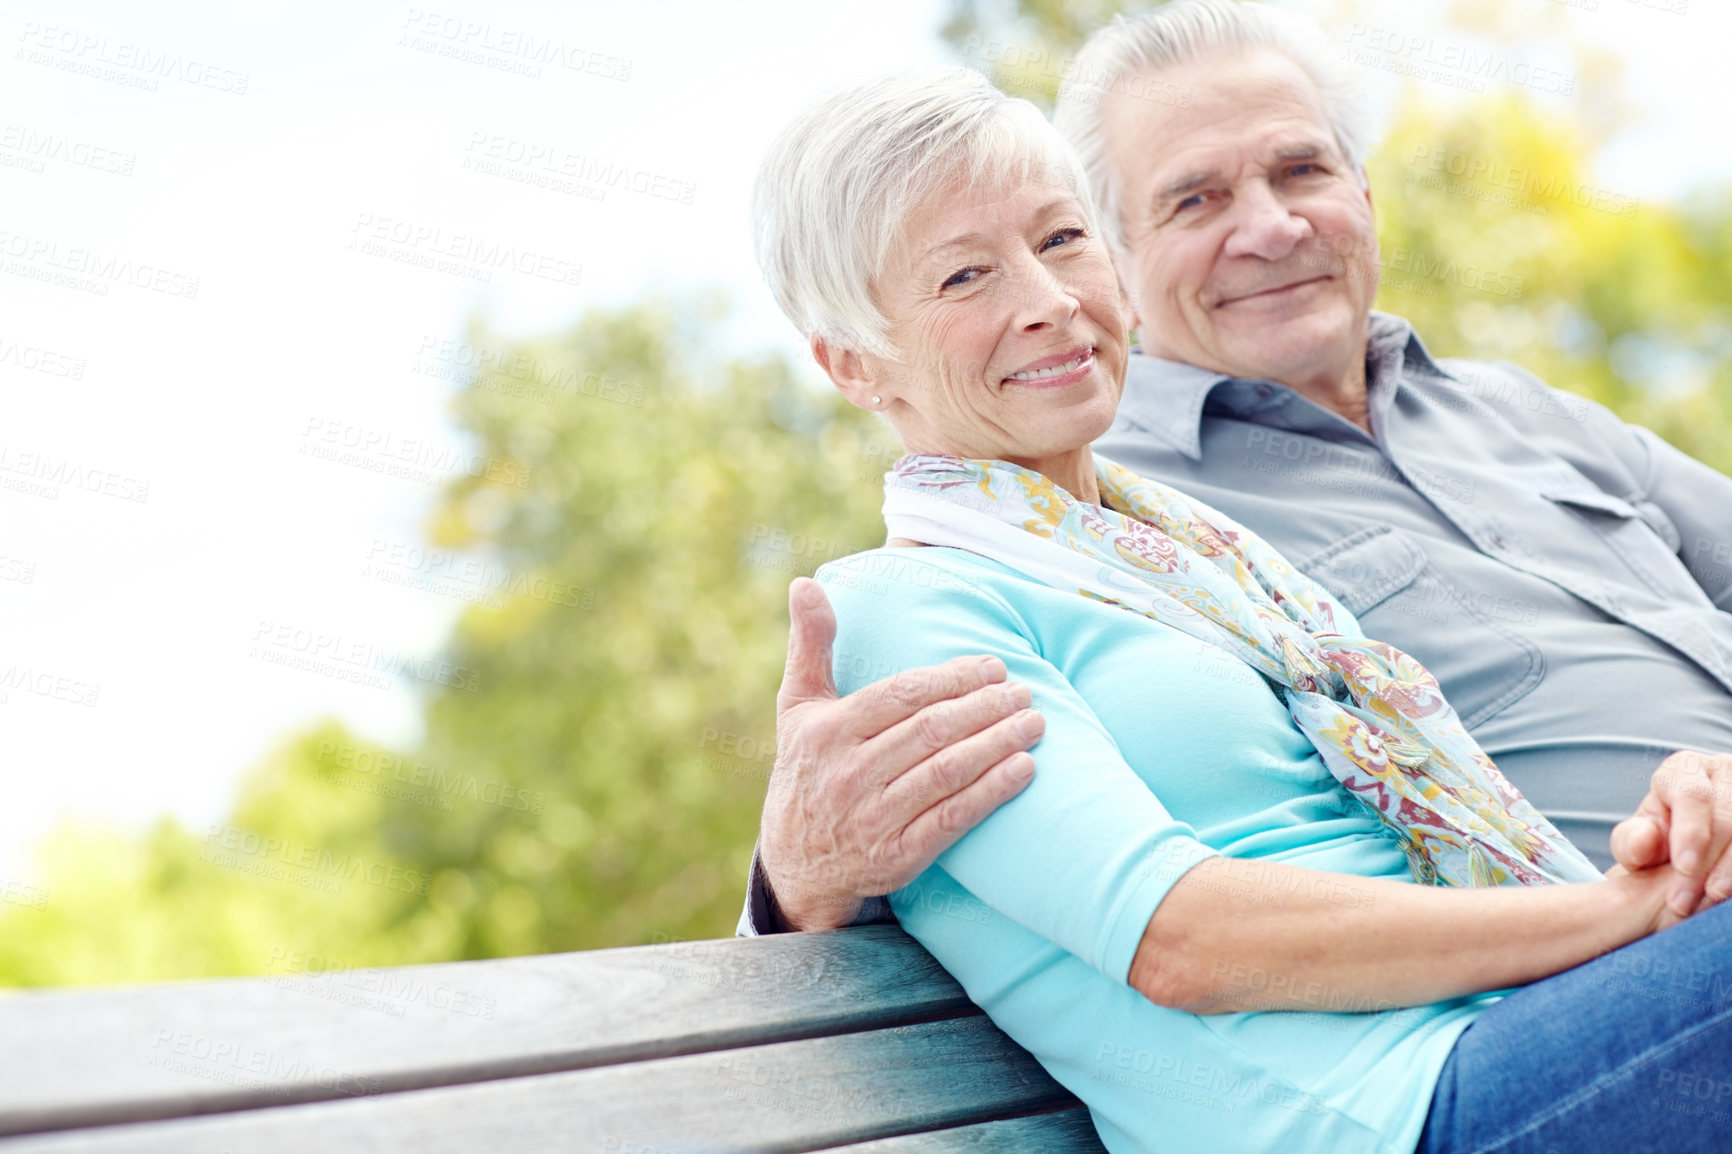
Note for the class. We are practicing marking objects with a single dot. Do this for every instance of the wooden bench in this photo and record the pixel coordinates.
(855, 1040)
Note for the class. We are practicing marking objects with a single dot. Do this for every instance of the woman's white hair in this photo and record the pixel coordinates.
(1178, 33)
(834, 194)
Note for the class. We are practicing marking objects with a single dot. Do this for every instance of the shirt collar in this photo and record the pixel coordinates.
(1166, 398)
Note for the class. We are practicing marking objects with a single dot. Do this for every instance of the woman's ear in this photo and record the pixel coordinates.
(850, 373)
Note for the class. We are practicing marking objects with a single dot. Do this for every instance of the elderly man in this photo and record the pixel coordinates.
(1550, 564)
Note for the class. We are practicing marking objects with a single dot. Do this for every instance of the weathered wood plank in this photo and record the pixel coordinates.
(89, 1057)
(790, 1096)
(1064, 1132)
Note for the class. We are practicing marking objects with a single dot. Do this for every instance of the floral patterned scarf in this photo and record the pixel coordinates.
(1377, 718)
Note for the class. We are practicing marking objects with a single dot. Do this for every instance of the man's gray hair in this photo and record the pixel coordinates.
(833, 196)
(1178, 33)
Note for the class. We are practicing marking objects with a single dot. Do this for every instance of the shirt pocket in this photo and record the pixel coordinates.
(1640, 532)
(1386, 579)
(1586, 499)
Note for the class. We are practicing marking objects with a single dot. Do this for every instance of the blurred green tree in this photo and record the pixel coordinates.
(593, 775)
(674, 510)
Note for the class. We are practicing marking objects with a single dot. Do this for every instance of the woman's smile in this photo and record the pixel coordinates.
(1056, 372)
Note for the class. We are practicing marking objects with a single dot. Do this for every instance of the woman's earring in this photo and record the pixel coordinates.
(876, 402)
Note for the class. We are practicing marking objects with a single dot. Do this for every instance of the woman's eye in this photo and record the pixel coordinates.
(1062, 235)
(962, 276)
(1192, 201)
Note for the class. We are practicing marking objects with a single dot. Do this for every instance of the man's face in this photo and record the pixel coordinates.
(1253, 251)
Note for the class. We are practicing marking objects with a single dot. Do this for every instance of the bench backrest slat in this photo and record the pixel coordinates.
(83, 1058)
(810, 1094)
(1062, 1132)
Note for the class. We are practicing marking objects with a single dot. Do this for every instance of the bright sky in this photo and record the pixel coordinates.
(214, 240)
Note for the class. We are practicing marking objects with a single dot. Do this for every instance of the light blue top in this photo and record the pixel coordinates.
(1160, 751)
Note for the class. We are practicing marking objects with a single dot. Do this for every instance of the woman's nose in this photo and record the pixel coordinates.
(1041, 297)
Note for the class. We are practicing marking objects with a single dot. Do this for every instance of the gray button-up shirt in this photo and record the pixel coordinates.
(1566, 577)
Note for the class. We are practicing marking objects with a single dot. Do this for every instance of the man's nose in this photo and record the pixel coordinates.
(1263, 226)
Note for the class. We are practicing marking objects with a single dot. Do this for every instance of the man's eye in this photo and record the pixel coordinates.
(962, 276)
(1303, 170)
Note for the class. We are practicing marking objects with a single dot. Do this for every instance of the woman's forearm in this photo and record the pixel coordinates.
(1236, 935)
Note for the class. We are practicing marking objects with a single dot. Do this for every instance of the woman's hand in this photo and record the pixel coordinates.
(1653, 889)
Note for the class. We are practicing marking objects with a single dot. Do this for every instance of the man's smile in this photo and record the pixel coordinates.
(1274, 294)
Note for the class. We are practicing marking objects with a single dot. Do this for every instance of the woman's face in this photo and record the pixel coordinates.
(1005, 312)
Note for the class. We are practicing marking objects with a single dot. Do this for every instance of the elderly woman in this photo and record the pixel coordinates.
(1266, 893)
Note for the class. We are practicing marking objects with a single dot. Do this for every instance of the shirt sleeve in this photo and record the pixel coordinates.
(1086, 852)
(760, 916)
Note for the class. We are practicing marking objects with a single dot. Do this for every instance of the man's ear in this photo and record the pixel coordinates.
(850, 373)
(1128, 305)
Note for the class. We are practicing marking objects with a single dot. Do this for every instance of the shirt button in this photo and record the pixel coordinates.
(1496, 540)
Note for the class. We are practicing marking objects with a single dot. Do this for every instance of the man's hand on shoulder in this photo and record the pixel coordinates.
(869, 789)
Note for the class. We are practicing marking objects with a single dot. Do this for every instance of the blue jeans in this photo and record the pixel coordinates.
(1629, 1052)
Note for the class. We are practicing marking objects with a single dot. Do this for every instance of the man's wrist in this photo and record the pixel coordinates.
(798, 913)
(823, 914)
(789, 910)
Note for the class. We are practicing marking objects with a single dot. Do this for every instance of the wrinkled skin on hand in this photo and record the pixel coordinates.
(869, 789)
(1685, 821)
